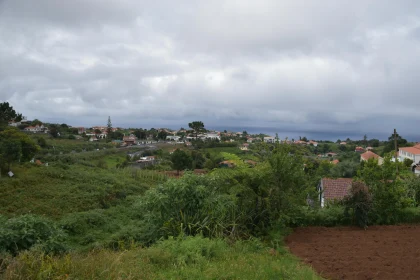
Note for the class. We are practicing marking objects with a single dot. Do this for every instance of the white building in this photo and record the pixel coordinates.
(35, 129)
(269, 139)
(212, 136)
(412, 153)
(173, 138)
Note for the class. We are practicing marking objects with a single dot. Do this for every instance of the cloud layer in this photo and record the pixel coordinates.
(295, 65)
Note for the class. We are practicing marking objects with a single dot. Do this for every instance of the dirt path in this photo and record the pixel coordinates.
(380, 252)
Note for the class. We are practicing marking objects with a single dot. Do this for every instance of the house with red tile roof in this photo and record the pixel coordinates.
(371, 155)
(412, 153)
(130, 140)
(336, 161)
(312, 142)
(333, 189)
(359, 149)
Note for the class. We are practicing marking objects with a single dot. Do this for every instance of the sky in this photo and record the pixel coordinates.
(340, 67)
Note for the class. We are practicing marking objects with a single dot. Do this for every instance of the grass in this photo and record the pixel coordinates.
(66, 188)
(190, 258)
(217, 150)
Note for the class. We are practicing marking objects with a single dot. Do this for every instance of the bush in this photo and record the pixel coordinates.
(359, 202)
(24, 232)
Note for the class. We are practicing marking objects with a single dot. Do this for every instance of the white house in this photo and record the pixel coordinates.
(35, 129)
(173, 138)
(412, 153)
(269, 139)
(212, 136)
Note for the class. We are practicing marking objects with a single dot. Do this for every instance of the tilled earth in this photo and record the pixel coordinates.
(380, 252)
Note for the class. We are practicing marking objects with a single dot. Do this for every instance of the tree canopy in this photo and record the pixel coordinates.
(16, 146)
(181, 160)
(7, 113)
(197, 127)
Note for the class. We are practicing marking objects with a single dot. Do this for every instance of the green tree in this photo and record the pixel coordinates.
(16, 146)
(180, 160)
(109, 128)
(197, 127)
(54, 131)
(36, 122)
(42, 142)
(390, 145)
(140, 134)
(162, 135)
(7, 113)
(10, 151)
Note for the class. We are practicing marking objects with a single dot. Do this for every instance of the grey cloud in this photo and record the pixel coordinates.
(325, 65)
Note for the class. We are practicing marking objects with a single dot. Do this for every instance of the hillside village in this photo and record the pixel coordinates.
(124, 189)
(325, 151)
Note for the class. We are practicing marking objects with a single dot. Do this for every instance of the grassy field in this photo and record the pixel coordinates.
(92, 203)
(185, 258)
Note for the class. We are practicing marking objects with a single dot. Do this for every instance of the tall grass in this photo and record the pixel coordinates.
(185, 258)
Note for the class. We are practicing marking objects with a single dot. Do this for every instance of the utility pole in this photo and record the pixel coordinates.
(396, 149)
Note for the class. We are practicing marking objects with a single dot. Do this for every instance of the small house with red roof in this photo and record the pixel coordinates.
(371, 155)
(359, 149)
(336, 161)
(333, 189)
(130, 140)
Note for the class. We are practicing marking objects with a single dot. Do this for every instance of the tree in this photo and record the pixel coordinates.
(140, 133)
(7, 113)
(197, 127)
(36, 122)
(10, 151)
(54, 131)
(180, 160)
(97, 131)
(390, 145)
(109, 126)
(162, 135)
(16, 146)
(359, 202)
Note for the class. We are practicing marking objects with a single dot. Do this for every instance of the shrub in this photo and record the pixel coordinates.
(359, 202)
(24, 232)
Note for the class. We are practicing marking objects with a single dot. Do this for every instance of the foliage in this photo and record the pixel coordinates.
(206, 258)
(390, 193)
(359, 202)
(7, 113)
(181, 160)
(197, 127)
(109, 126)
(16, 146)
(408, 162)
(189, 205)
(390, 145)
(24, 232)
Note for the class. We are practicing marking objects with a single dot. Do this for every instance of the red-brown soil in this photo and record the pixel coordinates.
(380, 252)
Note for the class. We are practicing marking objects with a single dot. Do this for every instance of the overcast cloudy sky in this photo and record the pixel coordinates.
(301, 65)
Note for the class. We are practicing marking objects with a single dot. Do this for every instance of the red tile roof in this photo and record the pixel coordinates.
(336, 161)
(368, 155)
(411, 150)
(336, 188)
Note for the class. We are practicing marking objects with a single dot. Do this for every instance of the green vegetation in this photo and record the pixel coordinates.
(94, 213)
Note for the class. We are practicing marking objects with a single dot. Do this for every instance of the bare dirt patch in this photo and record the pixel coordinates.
(380, 252)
